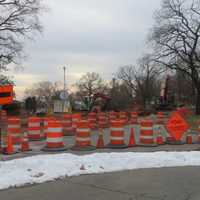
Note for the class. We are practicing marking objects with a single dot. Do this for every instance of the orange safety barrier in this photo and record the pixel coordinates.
(146, 133)
(14, 129)
(102, 120)
(25, 143)
(92, 120)
(117, 134)
(82, 137)
(134, 118)
(3, 114)
(123, 116)
(34, 129)
(67, 125)
(54, 141)
(160, 118)
(75, 118)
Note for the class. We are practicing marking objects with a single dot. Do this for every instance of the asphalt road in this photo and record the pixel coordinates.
(149, 184)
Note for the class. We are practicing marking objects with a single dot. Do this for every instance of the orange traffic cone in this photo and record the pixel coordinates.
(25, 143)
(100, 141)
(132, 139)
(159, 140)
(9, 148)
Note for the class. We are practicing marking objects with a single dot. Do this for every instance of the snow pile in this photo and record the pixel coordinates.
(42, 168)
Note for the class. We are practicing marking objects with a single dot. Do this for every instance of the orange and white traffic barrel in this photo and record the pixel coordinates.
(92, 118)
(34, 129)
(75, 118)
(123, 116)
(14, 129)
(134, 118)
(117, 138)
(160, 118)
(3, 115)
(67, 125)
(102, 120)
(146, 137)
(112, 115)
(54, 140)
(83, 137)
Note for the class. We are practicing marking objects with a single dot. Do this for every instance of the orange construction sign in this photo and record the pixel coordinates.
(177, 126)
(6, 94)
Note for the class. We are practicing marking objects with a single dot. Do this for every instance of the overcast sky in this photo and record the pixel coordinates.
(86, 36)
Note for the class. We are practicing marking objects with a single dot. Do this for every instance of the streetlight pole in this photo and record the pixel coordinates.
(64, 68)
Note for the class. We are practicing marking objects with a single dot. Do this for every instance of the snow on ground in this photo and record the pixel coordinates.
(42, 168)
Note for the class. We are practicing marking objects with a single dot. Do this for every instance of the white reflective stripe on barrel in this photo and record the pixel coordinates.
(81, 139)
(116, 138)
(34, 132)
(13, 126)
(116, 129)
(35, 124)
(146, 137)
(54, 140)
(83, 130)
(54, 130)
(146, 128)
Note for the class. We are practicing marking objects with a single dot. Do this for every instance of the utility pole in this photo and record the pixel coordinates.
(64, 68)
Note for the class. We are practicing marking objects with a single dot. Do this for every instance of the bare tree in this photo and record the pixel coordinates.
(44, 92)
(175, 38)
(91, 83)
(19, 19)
(142, 82)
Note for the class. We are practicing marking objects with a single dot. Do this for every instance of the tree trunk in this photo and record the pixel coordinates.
(198, 102)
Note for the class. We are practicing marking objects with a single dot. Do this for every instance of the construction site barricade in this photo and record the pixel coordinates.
(160, 118)
(146, 137)
(14, 129)
(92, 118)
(83, 137)
(117, 134)
(134, 118)
(123, 116)
(75, 118)
(54, 140)
(34, 128)
(67, 125)
(102, 120)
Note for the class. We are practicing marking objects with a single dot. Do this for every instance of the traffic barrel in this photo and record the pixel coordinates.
(34, 129)
(83, 137)
(117, 134)
(134, 118)
(146, 137)
(54, 140)
(102, 120)
(92, 118)
(123, 116)
(25, 143)
(67, 125)
(160, 118)
(3, 115)
(75, 118)
(14, 129)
